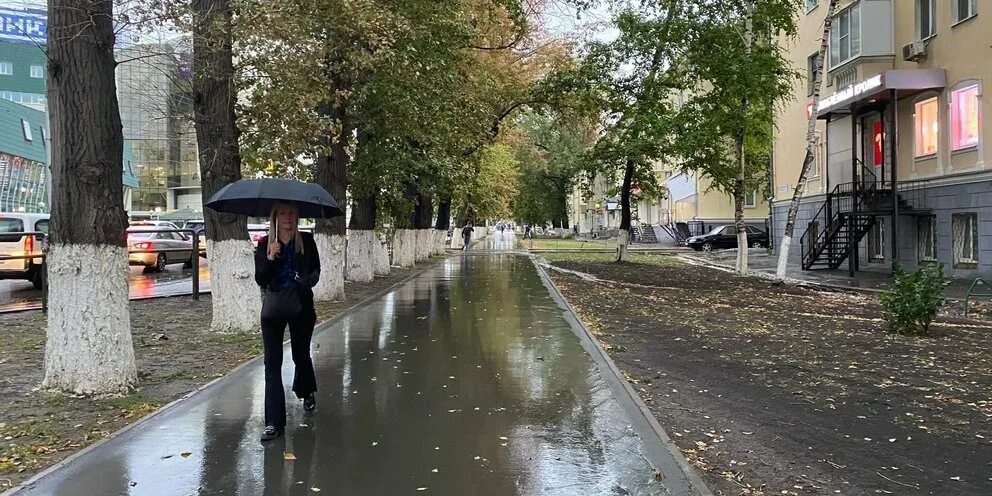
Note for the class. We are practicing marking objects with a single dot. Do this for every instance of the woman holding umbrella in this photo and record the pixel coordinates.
(287, 267)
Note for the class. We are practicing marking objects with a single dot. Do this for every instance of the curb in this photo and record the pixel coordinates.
(638, 414)
(321, 327)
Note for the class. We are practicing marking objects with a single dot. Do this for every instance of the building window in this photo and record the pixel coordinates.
(26, 127)
(810, 5)
(927, 247)
(818, 153)
(927, 124)
(37, 71)
(964, 230)
(965, 117)
(845, 36)
(750, 199)
(876, 240)
(962, 10)
(6, 69)
(44, 137)
(926, 20)
(811, 72)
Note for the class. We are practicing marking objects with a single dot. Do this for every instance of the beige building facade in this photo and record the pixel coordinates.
(900, 161)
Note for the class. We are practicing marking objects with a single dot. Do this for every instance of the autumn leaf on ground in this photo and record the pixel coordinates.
(289, 456)
(185, 454)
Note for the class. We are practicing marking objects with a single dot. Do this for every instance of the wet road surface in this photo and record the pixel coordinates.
(467, 380)
(21, 295)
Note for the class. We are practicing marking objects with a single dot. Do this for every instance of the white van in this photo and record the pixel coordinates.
(14, 243)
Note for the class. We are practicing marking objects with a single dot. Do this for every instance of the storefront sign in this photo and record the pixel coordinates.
(24, 26)
(850, 93)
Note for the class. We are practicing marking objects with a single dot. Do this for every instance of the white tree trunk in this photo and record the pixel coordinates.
(440, 236)
(88, 347)
(742, 252)
(359, 265)
(622, 243)
(405, 247)
(783, 258)
(423, 241)
(331, 249)
(380, 252)
(456, 239)
(236, 298)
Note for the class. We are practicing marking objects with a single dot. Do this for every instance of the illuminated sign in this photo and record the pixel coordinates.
(23, 26)
(850, 93)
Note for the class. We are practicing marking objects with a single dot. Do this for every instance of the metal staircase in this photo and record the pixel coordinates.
(645, 234)
(850, 211)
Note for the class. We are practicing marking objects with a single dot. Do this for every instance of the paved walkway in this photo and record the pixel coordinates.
(467, 380)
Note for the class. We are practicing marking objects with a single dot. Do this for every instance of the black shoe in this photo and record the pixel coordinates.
(310, 403)
(271, 432)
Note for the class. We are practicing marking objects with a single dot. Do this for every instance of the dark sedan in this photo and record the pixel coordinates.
(726, 237)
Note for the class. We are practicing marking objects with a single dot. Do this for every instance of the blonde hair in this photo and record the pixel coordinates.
(274, 234)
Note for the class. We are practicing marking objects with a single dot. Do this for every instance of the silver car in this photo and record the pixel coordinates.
(156, 247)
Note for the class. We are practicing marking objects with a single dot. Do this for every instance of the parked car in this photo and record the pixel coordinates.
(726, 237)
(156, 247)
(14, 244)
(154, 223)
(257, 232)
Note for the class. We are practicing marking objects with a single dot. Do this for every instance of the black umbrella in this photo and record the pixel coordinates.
(255, 198)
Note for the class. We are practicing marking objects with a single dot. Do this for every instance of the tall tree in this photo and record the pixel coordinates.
(88, 348)
(734, 79)
(235, 297)
(797, 194)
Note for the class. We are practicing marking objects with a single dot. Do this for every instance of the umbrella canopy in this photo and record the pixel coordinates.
(255, 198)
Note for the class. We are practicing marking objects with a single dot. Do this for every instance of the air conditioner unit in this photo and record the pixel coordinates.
(914, 52)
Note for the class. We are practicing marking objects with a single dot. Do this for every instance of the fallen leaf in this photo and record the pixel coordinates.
(289, 456)
(185, 454)
(375, 443)
(434, 471)
(421, 488)
(315, 489)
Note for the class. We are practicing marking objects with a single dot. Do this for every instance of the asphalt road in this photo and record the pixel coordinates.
(175, 280)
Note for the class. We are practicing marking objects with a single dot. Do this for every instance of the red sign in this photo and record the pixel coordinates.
(877, 140)
(809, 110)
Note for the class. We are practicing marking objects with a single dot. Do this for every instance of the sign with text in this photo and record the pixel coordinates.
(23, 26)
(850, 93)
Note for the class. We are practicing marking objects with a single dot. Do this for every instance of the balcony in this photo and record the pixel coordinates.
(864, 30)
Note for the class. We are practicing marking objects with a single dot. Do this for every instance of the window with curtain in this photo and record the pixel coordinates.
(927, 247)
(927, 123)
(965, 117)
(964, 231)
(964, 9)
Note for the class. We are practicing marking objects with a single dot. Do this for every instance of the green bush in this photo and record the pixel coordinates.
(914, 298)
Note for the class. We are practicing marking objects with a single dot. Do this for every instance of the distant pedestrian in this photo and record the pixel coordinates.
(287, 268)
(467, 235)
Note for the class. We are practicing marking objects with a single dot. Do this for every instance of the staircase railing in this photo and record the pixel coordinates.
(824, 224)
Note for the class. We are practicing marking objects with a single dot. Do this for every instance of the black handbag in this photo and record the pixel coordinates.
(284, 304)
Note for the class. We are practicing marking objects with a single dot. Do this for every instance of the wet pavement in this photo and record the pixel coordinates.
(466, 380)
(173, 281)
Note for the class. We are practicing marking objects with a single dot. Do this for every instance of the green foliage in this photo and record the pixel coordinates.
(914, 298)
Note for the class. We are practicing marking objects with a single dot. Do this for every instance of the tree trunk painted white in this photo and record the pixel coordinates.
(456, 239)
(790, 218)
(88, 347)
(405, 247)
(440, 236)
(359, 265)
(783, 254)
(331, 249)
(424, 244)
(742, 248)
(380, 254)
(742, 252)
(235, 297)
(623, 241)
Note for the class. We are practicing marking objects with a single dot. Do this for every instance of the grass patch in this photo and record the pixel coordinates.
(566, 244)
(249, 343)
(638, 258)
(135, 406)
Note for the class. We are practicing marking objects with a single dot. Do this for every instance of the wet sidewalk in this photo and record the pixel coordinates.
(467, 380)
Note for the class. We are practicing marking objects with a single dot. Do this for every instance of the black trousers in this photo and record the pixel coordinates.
(304, 380)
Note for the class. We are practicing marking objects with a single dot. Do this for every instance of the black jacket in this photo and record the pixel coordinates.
(466, 231)
(307, 266)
